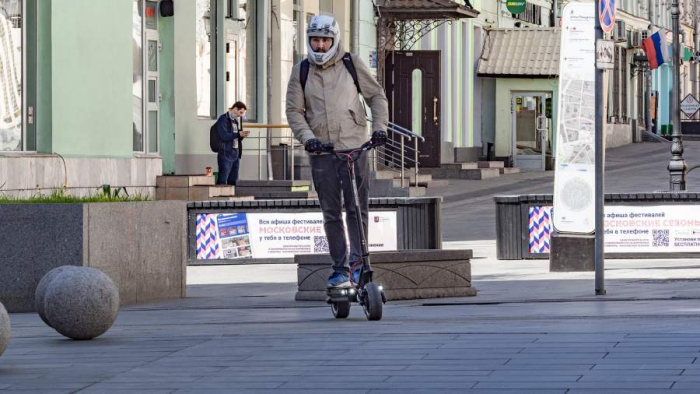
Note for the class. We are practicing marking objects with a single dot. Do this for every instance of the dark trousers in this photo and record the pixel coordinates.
(229, 164)
(332, 182)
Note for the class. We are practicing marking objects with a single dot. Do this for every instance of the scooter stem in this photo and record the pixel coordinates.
(366, 267)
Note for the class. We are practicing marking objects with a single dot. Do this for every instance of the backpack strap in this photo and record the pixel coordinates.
(347, 60)
(304, 73)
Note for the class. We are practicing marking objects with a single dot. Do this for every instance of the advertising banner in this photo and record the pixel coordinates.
(665, 228)
(234, 236)
(279, 235)
(631, 229)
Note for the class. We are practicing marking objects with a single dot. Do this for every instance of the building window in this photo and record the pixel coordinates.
(299, 44)
(325, 7)
(137, 80)
(617, 107)
(11, 77)
(239, 61)
(203, 58)
(532, 14)
(145, 81)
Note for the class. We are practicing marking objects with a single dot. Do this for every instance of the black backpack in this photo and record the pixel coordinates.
(347, 61)
(214, 142)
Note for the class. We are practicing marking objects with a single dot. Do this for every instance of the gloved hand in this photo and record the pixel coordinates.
(313, 146)
(378, 138)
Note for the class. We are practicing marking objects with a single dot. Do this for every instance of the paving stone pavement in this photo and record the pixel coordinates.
(223, 339)
(528, 331)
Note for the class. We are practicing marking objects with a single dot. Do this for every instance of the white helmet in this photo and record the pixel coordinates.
(323, 26)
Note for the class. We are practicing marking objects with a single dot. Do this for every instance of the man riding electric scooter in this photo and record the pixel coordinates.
(323, 106)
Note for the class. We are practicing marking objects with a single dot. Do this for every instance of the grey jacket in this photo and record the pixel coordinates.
(330, 109)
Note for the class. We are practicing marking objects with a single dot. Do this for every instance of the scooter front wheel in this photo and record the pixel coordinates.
(373, 304)
(341, 309)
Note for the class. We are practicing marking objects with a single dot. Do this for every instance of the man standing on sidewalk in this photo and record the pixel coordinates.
(229, 127)
(323, 105)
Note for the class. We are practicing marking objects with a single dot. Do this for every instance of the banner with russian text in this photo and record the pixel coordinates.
(632, 229)
(279, 235)
(652, 229)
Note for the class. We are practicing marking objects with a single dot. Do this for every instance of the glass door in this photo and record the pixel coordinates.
(532, 130)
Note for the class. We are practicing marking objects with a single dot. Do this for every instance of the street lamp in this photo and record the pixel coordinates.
(677, 167)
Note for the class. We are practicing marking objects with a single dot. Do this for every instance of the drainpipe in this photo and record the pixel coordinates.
(355, 27)
(499, 10)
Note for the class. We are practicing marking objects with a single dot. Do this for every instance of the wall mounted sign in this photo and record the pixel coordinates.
(516, 6)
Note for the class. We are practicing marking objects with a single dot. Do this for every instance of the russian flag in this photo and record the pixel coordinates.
(656, 49)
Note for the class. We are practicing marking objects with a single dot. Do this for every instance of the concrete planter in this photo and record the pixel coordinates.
(140, 245)
(418, 221)
(405, 275)
(516, 227)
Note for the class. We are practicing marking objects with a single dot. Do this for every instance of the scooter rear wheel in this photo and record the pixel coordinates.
(373, 304)
(341, 309)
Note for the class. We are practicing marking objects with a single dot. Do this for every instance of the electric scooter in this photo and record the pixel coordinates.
(367, 293)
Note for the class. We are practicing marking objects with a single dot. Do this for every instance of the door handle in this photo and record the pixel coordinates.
(435, 117)
(541, 123)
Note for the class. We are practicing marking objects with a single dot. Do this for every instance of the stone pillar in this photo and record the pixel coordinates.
(571, 253)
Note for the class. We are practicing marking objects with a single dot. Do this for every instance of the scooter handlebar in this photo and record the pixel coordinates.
(329, 147)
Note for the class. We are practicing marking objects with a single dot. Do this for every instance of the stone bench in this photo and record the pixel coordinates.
(405, 275)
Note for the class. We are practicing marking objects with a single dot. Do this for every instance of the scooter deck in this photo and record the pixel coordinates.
(341, 294)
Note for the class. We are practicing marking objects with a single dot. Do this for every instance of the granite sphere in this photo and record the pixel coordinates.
(81, 303)
(40, 293)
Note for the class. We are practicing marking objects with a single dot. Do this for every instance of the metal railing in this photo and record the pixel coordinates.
(400, 154)
(269, 148)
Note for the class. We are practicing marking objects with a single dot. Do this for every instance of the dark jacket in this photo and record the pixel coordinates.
(226, 134)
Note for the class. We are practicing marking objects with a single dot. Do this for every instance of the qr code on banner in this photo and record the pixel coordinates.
(320, 244)
(660, 237)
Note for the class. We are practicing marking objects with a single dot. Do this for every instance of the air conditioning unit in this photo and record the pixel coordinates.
(620, 32)
(636, 40)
